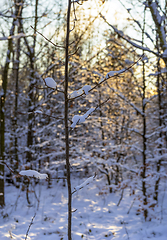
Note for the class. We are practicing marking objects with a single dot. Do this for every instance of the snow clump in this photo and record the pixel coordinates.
(33, 173)
(50, 82)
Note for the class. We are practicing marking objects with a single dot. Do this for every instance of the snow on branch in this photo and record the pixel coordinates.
(86, 182)
(133, 130)
(128, 39)
(50, 82)
(3, 38)
(76, 94)
(19, 35)
(115, 73)
(158, 20)
(163, 70)
(36, 111)
(157, 158)
(84, 90)
(133, 146)
(33, 173)
(87, 88)
(81, 118)
(111, 74)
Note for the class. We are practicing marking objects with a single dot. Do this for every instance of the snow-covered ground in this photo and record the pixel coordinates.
(96, 214)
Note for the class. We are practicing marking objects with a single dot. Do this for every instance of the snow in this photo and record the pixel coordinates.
(33, 173)
(129, 40)
(164, 55)
(158, 21)
(129, 62)
(101, 80)
(38, 111)
(163, 70)
(77, 93)
(156, 12)
(97, 73)
(97, 215)
(89, 112)
(19, 35)
(3, 38)
(75, 120)
(81, 118)
(85, 89)
(112, 73)
(50, 82)
(86, 182)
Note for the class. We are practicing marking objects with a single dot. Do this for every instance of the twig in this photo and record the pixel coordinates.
(2, 162)
(74, 210)
(74, 52)
(117, 74)
(122, 193)
(109, 77)
(90, 113)
(131, 206)
(32, 218)
(83, 186)
(48, 39)
(30, 225)
(75, 18)
(128, 39)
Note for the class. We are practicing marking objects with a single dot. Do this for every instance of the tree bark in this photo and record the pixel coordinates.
(66, 120)
(160, 112)
(144, 188)
(31, 95)
(16, 65)
(2, 111)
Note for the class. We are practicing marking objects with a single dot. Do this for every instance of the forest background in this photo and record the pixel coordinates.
(124, 139)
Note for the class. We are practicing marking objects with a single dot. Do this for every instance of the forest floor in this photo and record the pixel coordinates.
(96, 214)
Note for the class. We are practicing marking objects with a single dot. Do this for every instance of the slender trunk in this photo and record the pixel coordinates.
(66, 121)
(161, 33)
(101, 114)
(31, 95)
(160, 134)
(2, 112)
(16, 64)
(144, 188)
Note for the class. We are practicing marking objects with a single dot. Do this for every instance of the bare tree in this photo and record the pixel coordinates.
(18, 11)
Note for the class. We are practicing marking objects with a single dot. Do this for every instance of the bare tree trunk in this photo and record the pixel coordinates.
(144, 188)
(2, 112)
(160, 112)
(66, 120)
(16, 64)
(160, 28)
(31, 95)
(30, 109)
(101, 115)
